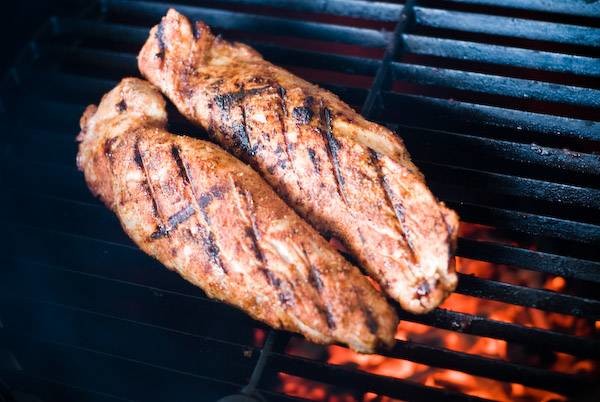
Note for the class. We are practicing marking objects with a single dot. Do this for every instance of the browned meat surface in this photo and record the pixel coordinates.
(211, 218)
(350, 178)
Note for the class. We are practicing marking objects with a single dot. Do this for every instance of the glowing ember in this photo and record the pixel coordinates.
(476, 345)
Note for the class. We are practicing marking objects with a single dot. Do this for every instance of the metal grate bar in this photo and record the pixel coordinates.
(487, 367)
(502, 55)
(364, 382)
(497, 85)
(450, 148)
(233, 362)
(535, 225)
(58, 391)
(382, 76)
(581, 8)
(519, 187)
(348, 8)
(254, 23)
(452, 113)
(58, 362)
(317, 60)
(536, 260)
(482, 326)
(530, 297)
(507, 26)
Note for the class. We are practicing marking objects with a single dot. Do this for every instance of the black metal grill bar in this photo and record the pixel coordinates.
(75, 362)
(347, 8)
(482, 326)
(531, 224)
(317, 60)
(502, 55)
(364, 382)
(581, 8)
(554, 264)
(382, 77)
(254, 23)
(497, 85)
(530, 297)
(455, 114)
(450, 148)
(487, 367)
(91, 336)
(59, 391)
(521, 187)
(507, 26)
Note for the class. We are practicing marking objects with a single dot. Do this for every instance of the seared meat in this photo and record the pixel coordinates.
(211, 218)
(350, 178)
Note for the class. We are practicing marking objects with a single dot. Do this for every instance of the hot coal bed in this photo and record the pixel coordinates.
(498, 103)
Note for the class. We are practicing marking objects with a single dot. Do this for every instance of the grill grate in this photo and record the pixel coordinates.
(496, 101)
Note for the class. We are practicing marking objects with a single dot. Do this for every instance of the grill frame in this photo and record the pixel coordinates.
(384, 72)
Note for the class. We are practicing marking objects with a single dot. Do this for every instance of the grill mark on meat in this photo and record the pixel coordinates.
(329, 318)
(175, 220)
(160, 32)
(108, 148)
(239, 132)
(121, 106)
(314, 278)
(304, 114)
(226, 100)
(315, 160)
(332, 146)
(208, 237)
(396, 207)
(176, 152)
(370, 320)
(137, 157)
(252, 231)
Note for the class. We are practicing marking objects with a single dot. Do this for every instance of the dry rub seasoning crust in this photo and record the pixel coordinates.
(350, 178)
(214, 220)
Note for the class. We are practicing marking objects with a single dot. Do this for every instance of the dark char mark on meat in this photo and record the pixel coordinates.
(314, 159)
(137, 157)
(395, 206)
(370, 321)
(333, 147)
(238, 130)
(108, 148)
(160, 32)
(175, 220)
(314, 278)
(121, 106)
(176, 152)
(303, 114)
